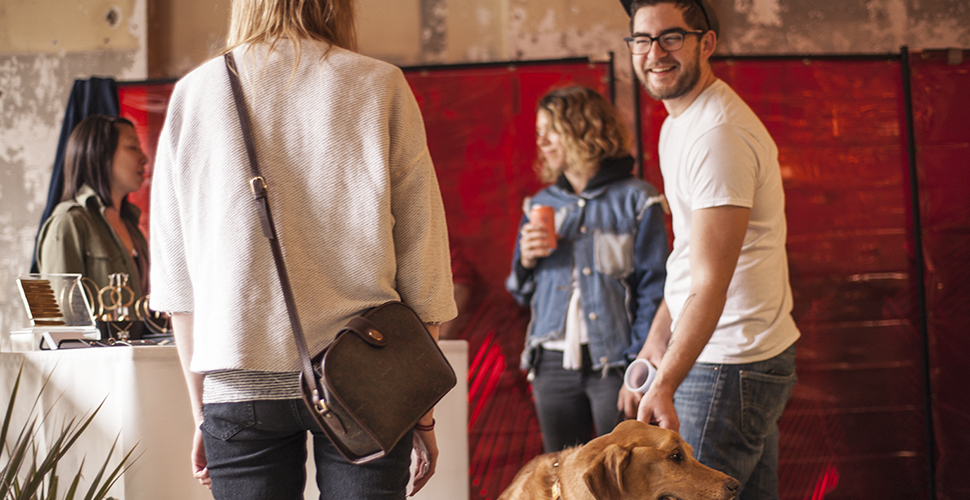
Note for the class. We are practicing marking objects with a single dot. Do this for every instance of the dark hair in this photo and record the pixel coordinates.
(89, 156)
(589, 127)
(698, 14)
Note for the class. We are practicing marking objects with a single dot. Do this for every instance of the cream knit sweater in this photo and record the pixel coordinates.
(352, 190)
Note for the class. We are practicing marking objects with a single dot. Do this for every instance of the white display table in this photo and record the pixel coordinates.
(146, 406)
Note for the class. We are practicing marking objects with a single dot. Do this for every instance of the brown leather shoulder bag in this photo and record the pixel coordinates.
(382, 372)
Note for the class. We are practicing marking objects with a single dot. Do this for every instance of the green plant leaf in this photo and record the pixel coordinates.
(8, 415)
(112, 477)
(77, 479)
(17, 457)
(16, 484)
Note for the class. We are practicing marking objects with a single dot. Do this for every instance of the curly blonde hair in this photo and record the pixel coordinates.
(588, 126)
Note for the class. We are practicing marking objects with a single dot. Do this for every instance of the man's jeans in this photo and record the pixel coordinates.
(257, 450)
(729, 414)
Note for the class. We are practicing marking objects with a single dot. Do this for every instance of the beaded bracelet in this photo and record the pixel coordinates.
(424, 428)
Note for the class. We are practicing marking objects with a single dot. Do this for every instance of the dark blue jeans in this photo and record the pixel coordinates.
(729, 415)
(574, 406)
(257, 450)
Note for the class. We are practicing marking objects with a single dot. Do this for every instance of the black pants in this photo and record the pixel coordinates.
(257, 451)
(574, 406)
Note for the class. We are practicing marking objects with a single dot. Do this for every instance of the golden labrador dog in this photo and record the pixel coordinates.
(635, 461)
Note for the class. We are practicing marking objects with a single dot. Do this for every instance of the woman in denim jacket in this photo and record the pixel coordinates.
(594, 295)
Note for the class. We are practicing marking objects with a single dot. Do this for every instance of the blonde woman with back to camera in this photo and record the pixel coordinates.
(358, 213)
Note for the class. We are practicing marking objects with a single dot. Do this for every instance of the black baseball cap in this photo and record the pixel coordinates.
(709, 15)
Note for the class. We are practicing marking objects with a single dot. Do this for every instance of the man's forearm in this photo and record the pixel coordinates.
(697, 322)
(658, 337)
(716, 237)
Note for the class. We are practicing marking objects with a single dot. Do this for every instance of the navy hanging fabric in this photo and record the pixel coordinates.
(95, 96)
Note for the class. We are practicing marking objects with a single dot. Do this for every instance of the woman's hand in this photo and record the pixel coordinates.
(199, 469)
(426, 450)
(628, 402)
(533, 245)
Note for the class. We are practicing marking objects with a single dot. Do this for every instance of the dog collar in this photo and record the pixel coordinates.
(556, 488)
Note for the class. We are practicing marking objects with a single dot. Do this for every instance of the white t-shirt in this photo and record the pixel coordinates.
(718, 153)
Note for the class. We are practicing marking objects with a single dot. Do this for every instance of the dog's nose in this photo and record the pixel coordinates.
(732, 486)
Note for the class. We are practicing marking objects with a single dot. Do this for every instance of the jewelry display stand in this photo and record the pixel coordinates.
(58, 310)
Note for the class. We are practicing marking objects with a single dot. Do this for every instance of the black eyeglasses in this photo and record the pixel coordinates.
(669, 41)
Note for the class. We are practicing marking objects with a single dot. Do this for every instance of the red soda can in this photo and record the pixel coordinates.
(545, 216)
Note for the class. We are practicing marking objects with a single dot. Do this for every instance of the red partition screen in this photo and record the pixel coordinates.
(940, 80)
(481, 132)
(480, 122)
(855, 427)
(145, 103)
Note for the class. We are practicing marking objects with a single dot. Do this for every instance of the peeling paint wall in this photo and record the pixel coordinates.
(184, 33)
(416, 32)
(93, 38)
(390, 30)
(476, 31)
(552, 29)
(564, 28)
(859, 27)
(54, 26)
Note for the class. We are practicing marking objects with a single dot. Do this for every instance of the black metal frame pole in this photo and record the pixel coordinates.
(496, 64)
(920, 274)
(612, 85)
(637, 120)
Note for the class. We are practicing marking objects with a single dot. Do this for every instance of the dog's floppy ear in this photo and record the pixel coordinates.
(604, 477)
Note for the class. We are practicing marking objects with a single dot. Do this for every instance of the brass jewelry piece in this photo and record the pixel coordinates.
(90, 289)
(117, 286)
(156, 322)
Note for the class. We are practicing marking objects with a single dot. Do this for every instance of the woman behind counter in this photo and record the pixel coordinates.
(594, 295)
(94, 229)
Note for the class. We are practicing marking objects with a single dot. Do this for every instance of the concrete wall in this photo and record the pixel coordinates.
(184, 33)
(46, 44)
(831, 26)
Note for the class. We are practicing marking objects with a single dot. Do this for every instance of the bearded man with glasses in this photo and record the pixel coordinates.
(723, 339)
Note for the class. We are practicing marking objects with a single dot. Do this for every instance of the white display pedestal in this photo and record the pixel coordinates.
(146, 404)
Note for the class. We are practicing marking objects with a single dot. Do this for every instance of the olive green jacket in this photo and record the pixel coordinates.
(77, 238)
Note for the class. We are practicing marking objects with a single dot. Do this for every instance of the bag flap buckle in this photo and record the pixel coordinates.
(367, 330)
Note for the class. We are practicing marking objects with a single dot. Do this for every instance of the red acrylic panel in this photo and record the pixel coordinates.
(854, 427)
(480, 122)
(940, 80)
(144, 104)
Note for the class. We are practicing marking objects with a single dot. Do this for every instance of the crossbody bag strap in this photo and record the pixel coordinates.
(259, 188)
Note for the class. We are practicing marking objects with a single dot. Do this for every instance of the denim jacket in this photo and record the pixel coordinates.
(614, 234)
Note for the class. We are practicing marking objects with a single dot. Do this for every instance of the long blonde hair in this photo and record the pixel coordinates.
(270, 21)
(588, 126)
